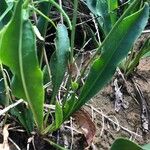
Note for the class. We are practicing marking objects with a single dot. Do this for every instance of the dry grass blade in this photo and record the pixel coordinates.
(119, 99)
(5, 145)
(10, 106)
(15, 146)
(145, 118)
(114, 122)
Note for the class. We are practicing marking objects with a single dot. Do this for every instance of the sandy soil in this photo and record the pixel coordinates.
(127, 118)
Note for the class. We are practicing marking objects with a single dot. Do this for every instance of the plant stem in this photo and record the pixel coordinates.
(6, 85)
(8, 97)
(67, 91)
(47, 64)
(72, 51)
(34, 15)
(72, 48)
(63, 13)
(55, 145)
(135, 60)
(61, 16)
(60, 9)
(40, 13)
(46, 118)
(73, 29)
(129, 60)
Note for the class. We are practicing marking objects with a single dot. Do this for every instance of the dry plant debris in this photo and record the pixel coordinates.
(87, 126)
(5, 145)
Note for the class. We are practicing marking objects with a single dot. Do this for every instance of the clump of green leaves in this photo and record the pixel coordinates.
(130, 63)
(23, 57)
(107, 13)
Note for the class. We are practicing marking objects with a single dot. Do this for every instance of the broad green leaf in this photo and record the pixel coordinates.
(124, 144)
(131, 7)
(59, 59)
(42, 22)
(123, 5)
(25, 116)
(112, 9)
(42, 25)
(115, 47)
(18, 52)
(46, 75)
(5, 13)
(112, 5)
(100, 9)
(58, 115)
(103, 10)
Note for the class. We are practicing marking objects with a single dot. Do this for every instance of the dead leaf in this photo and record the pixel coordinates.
(5, 145)
(145, 113)
(88, 128)
(74, 70)
(119, 100)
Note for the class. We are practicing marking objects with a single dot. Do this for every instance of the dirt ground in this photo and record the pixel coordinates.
(128, 119)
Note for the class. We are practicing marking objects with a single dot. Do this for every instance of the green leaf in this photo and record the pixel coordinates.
(42, 24)
(146, 55)
(59, 60)
(68, 107)
(144, 52)
(100, 9)
(59, 8)
(124, 144)
(146, 49)
(112, 9)
(106, 13)
(114, 48)
(58, 115)
(5, 13)
(25, 116)
(18, 52)
(57, 122)
(146, 147)
(46, 75)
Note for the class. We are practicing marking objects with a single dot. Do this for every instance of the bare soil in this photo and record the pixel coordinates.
(128, 118)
